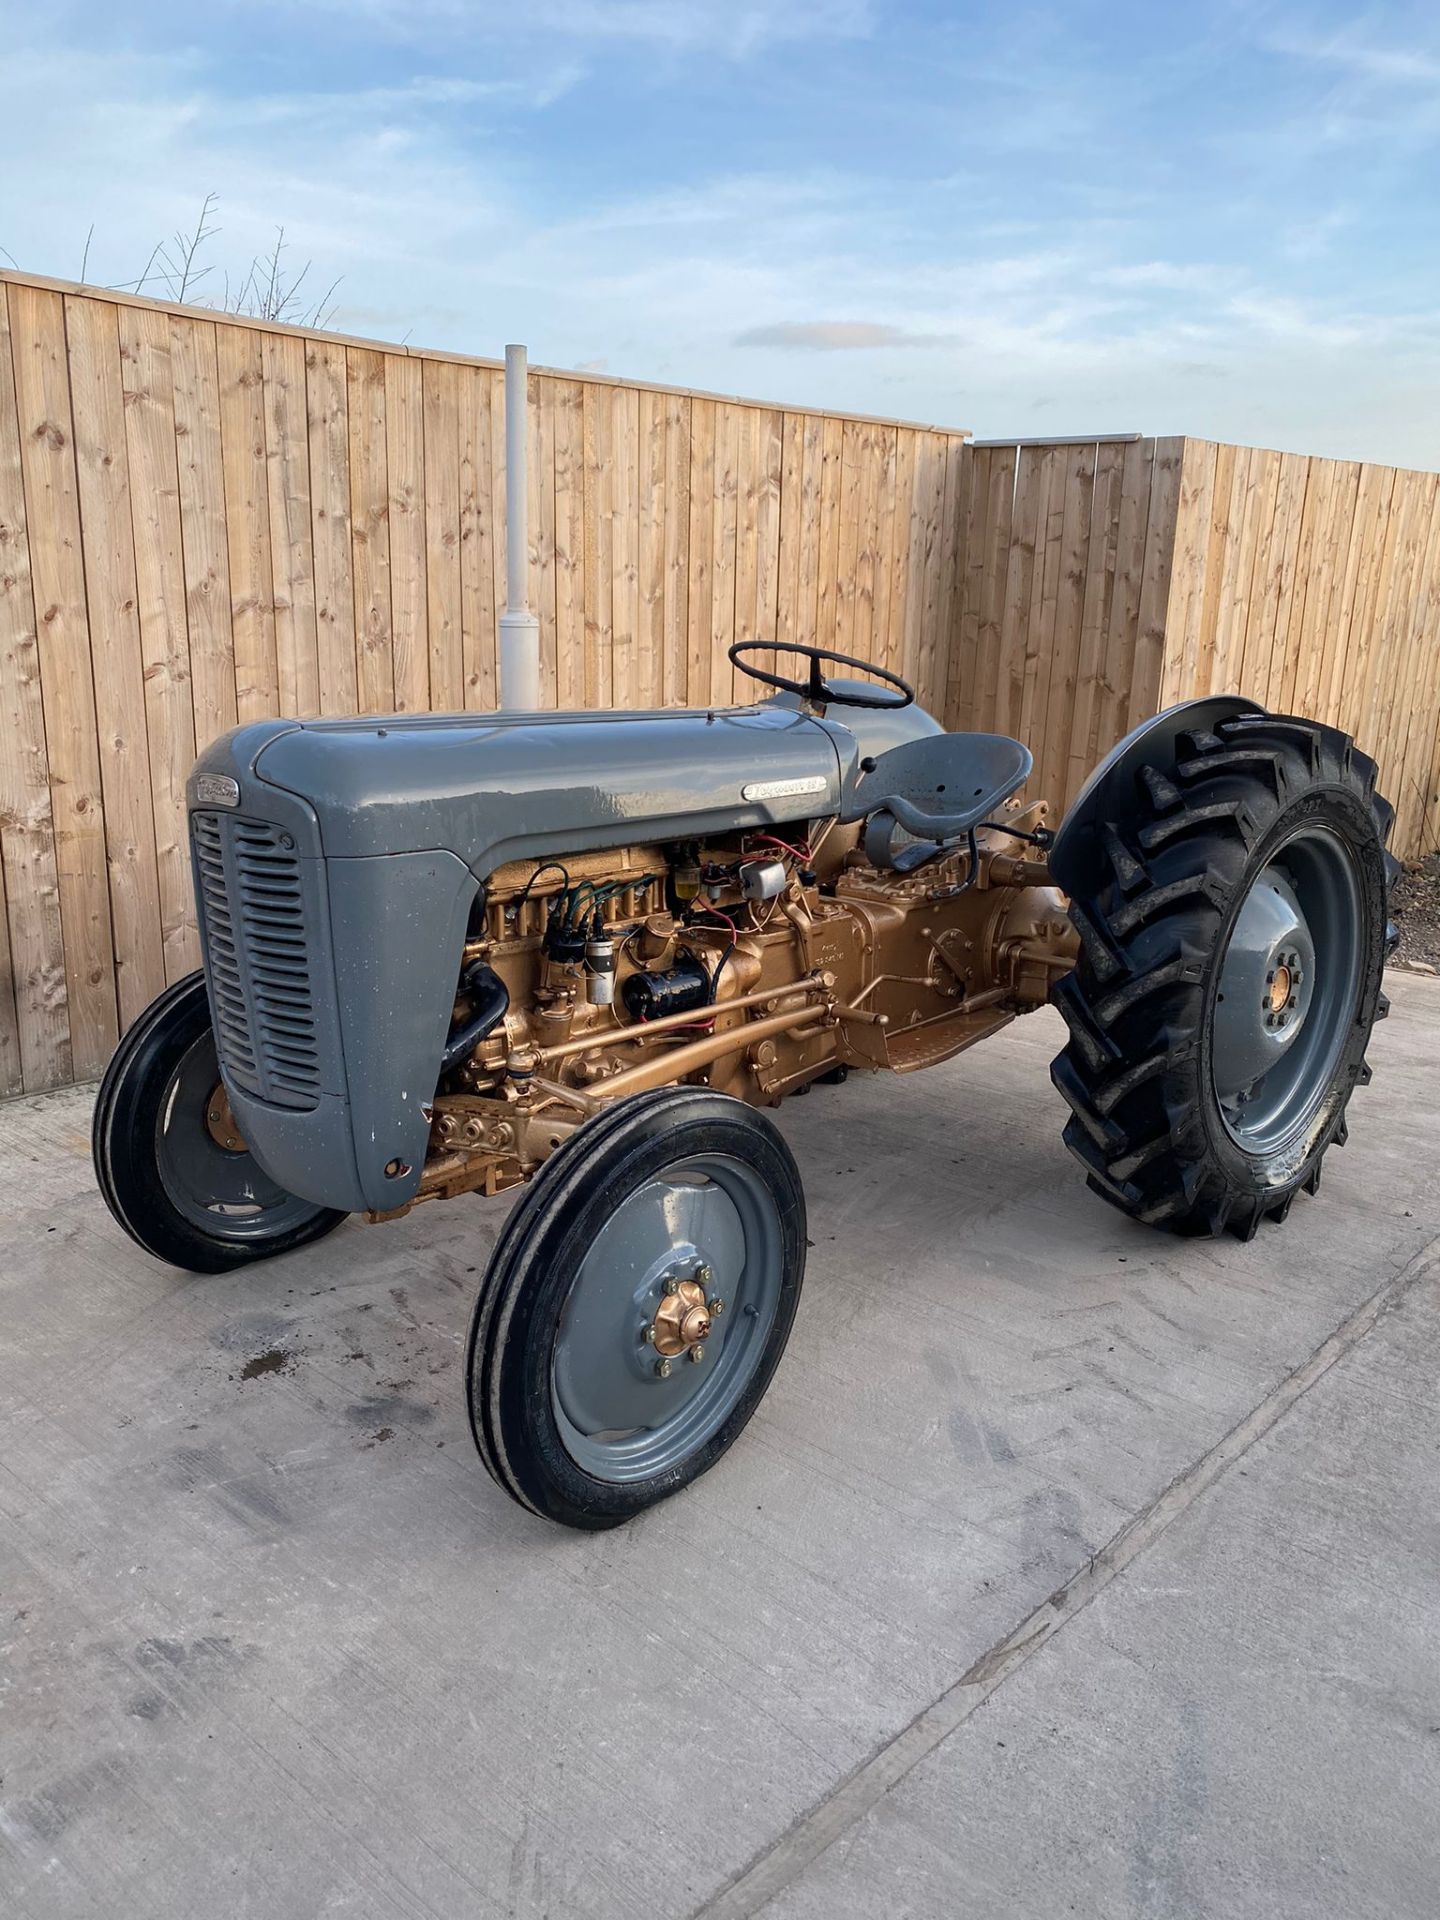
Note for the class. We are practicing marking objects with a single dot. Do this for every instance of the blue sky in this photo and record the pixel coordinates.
(1217, 219)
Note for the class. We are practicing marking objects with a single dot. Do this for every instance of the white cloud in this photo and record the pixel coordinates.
(831, 336)
(1348, 52)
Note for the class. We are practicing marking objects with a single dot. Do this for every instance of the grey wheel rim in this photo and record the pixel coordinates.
(225, 1195)
(1288, 991)
(620, 1418)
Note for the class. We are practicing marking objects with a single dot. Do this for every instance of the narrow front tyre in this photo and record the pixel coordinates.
(169, 1159)
(636, 1305)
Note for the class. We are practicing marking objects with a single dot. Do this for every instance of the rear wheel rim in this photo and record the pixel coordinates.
(225, 1195)
(619, 1417)
(1288, 991)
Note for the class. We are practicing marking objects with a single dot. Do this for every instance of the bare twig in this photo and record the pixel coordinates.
(189, 247)
(177, 270)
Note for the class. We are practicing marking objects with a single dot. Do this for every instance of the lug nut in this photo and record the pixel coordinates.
(662, 1368)
(647, 1334)
(697, 1354)
(704, 1274)
(717, 1305)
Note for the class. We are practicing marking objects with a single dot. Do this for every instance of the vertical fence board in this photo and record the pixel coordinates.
(897, 551)
(52, 511)
(292, 561)
(722, 569)
(1145, 678)
(148, 383)
(370, 529)
(1097, 597)
(36, 948)
(599, 420)
(677, 548)
(650, 552)
(962, 664)
(1414, 716)
(328, 412)
(111, 596)
(570, 545)
(788, 615)
(244, 470)
(440, 409)
(1290, 640)
(482, 562)
(405, 474)
(958, 465)
(202, 527)
(493, 384)
(624, 545)
(542, 531)
(702, 551)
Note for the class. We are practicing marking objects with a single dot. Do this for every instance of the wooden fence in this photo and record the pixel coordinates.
(205, 520)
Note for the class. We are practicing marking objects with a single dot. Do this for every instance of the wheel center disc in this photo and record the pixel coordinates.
(1287, 990)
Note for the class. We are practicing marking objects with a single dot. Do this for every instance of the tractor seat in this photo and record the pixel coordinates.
(927, 794)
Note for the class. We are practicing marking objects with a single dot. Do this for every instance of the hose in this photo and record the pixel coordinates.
(492, 998)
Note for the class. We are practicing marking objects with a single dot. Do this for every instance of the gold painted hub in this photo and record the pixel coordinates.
(682, 1320)
(220, 1122)
(1280, 986)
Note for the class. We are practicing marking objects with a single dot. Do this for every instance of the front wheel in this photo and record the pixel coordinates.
(1229, 975)
(169, 1160)
(636, 1305)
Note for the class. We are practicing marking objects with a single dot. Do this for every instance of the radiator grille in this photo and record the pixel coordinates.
(252, 904)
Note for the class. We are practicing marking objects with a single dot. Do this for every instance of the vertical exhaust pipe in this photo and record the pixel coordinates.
(519, 627)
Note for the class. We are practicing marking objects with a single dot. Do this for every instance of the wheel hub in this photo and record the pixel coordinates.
(682, 1320)
(220, 1122)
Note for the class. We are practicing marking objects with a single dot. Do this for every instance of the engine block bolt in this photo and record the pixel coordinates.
(662, 1368)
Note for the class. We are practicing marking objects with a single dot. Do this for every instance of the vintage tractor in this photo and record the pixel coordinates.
(451, 954)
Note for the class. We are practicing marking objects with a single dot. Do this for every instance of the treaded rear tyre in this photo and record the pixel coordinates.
(1139, 1071)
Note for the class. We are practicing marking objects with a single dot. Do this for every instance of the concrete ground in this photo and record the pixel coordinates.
(1066, 1568)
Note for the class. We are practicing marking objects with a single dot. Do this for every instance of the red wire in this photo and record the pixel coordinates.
(771, 839)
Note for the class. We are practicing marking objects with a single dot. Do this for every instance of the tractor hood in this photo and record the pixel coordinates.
(492, 787)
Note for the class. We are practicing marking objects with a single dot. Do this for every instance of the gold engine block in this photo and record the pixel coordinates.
(823, 961)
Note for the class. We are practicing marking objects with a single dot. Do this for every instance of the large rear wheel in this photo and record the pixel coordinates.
(170, 1161)
(636, 1305)
(1229, 975)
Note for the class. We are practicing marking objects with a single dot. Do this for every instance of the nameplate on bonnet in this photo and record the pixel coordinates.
(216, 790)
(784, 789)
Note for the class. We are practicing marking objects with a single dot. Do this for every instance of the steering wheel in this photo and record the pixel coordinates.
(817, 688)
